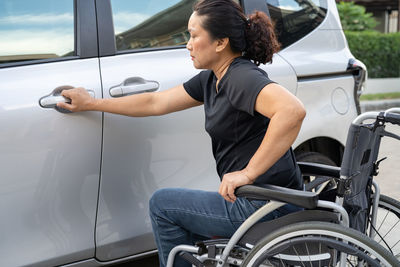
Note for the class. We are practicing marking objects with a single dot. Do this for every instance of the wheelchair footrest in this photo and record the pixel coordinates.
(191, 259)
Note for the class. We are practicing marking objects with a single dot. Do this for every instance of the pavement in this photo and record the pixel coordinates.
(389, 171)
(376, 105)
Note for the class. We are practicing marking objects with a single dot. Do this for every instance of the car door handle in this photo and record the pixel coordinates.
(51, 100)
(134, 85)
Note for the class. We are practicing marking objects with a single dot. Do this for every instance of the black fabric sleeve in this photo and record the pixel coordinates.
(194, 87)
(245, 85)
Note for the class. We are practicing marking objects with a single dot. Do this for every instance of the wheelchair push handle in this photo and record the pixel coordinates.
(391, 115)
(392, 118)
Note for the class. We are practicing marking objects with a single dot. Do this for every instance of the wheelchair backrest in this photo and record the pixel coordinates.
(359, 158)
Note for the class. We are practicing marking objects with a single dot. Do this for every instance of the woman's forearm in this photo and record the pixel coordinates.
(140, 105)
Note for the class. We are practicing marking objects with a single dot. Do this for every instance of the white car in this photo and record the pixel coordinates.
(74, 187)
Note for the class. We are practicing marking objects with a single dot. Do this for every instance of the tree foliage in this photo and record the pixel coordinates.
(380, 52)
(354, 17)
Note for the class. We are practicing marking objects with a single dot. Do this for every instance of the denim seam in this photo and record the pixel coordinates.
(197, 213)
(209, 216)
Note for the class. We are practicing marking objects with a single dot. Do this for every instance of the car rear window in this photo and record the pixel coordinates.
(295, 19)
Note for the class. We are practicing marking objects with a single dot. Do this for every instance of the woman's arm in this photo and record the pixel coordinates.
(286, 115)
(140, 105)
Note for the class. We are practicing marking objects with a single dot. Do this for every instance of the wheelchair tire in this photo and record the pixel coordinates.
(388, 224)
(318, 244)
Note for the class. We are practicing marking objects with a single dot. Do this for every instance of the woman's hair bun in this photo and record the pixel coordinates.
(261, 41)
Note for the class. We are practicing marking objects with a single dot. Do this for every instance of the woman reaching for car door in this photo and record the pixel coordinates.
(251, 120)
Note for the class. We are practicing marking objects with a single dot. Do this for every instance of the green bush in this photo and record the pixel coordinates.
(380, 52)
(354, 17)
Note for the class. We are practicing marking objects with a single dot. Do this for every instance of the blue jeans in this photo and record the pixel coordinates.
(185, 216)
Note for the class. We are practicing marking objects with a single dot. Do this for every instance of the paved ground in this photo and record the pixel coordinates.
(147, 262)
(382, 85)
(389, 175)
(379, 104)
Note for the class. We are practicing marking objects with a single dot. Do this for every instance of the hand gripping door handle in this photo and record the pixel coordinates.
(51, 100)
(134, 85)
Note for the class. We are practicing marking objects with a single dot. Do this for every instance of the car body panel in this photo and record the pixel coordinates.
(282, 72)
(309, 58)
(50, 165)
(319, 113)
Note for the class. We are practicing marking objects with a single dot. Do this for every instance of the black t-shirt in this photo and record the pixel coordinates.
(236, 129)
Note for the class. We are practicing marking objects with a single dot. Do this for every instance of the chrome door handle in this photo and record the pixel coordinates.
(51, 100)
(134, 85)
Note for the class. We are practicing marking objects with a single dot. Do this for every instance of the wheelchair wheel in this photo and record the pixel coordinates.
(387, 226)
(318, 244)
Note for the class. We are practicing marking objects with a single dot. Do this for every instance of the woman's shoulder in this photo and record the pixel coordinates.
(242, 66)
(201, 78)
(245, 71)
(205, 73)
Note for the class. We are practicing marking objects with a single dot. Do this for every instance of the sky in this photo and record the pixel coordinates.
(36, 27)
(47, 26)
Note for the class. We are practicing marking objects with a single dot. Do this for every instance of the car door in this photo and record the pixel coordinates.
(140, 155)
(49, 160)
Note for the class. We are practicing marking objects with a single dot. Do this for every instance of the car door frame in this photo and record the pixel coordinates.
(86, 29)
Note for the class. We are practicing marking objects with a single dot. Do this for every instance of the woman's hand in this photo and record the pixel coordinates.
(80, 100)
(230, 182)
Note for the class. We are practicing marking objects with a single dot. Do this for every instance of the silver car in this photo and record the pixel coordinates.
(74, 187)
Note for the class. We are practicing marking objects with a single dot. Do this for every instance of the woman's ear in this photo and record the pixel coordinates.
(222, 44)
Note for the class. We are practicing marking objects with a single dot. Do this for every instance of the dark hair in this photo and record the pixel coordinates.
(254, 36)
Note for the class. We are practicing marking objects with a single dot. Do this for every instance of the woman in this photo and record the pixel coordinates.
(240, 104)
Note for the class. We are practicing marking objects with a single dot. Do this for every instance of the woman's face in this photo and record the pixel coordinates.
(201, 47)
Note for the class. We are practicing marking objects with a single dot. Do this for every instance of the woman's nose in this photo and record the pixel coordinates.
(189, 45)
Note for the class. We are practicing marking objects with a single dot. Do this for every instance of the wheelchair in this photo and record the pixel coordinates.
(343, 223)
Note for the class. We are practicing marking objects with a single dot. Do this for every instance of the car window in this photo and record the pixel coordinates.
(33, 30)
(294, 19)
(150, 24)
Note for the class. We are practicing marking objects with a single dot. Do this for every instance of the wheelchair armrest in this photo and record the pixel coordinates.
(272, 192)
(310, 168)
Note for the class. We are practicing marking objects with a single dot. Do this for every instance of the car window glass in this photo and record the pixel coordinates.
(294, 19)
(151, 24)
(33, 30)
